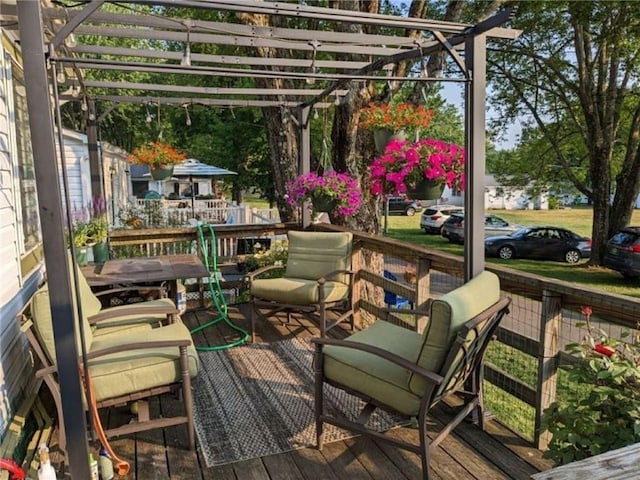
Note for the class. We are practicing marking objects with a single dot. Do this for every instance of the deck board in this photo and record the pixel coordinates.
(467, 454)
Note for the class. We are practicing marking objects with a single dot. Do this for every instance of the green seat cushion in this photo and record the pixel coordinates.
(297, 291)
(127, 328)
(447, 315)
(123, 373)
(375, 377)
(315, 254)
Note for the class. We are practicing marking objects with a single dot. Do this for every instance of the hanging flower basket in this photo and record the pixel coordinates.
(332, 192)
(324, 203)
(404, 166)
(159, 157)
(426, 190)
(161, 172)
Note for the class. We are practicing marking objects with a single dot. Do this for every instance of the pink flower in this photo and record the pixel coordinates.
(403, 165)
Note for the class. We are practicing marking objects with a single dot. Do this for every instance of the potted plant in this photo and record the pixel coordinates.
(332, 192)
(160, 157)
(419, 170)
(393, 121)
(99, 229)
(82, 240)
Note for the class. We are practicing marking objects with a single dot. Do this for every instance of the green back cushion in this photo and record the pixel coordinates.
(90, 303)
(315, 254)
(43, 323)
(447, 315)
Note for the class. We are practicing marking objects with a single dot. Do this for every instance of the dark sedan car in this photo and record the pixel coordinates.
(541, 243)
(623, 252)
(404, 206)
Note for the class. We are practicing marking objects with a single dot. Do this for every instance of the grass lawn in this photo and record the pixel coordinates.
(577, 219)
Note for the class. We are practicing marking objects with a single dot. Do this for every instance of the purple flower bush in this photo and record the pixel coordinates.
(403, 165)
(338, 187)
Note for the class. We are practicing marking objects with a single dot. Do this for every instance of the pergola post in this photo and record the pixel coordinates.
(475, 103)
(305, 154)
(52, 223)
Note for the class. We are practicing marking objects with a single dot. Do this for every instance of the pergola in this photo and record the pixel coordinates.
(301, 57)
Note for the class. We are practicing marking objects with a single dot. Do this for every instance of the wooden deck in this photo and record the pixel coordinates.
(466, 454)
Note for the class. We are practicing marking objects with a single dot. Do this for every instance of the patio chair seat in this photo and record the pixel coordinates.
(121, 373)
(372, 375)
(298, 291)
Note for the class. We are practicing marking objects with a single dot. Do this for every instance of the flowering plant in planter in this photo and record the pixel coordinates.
(600, 408)
(339, 189)
(155, 154)
(395, 117)
(404, 165)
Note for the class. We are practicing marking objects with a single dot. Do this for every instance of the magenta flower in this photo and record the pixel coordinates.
(403, 165)
(339, 187)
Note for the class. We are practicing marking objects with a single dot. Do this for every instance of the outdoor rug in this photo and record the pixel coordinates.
(257, 400)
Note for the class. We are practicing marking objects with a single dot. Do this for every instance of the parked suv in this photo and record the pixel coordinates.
(404, 206)
(433, 217)
(453, 228)
(623, 252)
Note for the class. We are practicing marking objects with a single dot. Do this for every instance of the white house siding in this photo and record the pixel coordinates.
(16, 287)
(76, 155)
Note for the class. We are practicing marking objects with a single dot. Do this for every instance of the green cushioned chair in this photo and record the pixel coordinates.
(122, 367)
(397, 369)
(317, 278)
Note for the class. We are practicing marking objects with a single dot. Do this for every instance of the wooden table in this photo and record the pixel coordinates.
(623, 463)
(145, 270)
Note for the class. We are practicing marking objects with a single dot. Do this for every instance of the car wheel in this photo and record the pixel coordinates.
(572, 256)
(506, 252)
(410, 211)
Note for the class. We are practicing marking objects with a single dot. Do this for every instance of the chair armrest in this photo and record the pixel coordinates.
(249, 277)
(127, 347)
(136, 309)
(334, 274)
(120, 348)
(429, 376)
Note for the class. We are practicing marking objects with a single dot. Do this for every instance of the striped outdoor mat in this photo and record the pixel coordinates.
(257, 400)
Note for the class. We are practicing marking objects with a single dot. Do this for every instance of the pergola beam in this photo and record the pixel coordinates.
(237, 41)
(243, 73)
(238, 29)
(212, 102)
(221, 59)
(205, 90)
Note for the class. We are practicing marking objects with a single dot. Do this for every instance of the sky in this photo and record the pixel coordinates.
(453, 93)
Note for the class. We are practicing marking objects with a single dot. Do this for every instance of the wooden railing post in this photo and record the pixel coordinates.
(423, 289)
(548, 355)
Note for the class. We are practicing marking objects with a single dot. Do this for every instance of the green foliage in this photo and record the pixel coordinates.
(263, 257)
(606, 415)
(82, 234)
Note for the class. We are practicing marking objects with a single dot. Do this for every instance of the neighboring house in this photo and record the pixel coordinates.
(497, 196)
(175, 187)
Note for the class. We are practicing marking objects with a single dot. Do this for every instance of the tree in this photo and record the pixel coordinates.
(573, 74)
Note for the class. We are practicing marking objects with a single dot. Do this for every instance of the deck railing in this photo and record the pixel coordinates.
(524, 365)
(180, 212)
